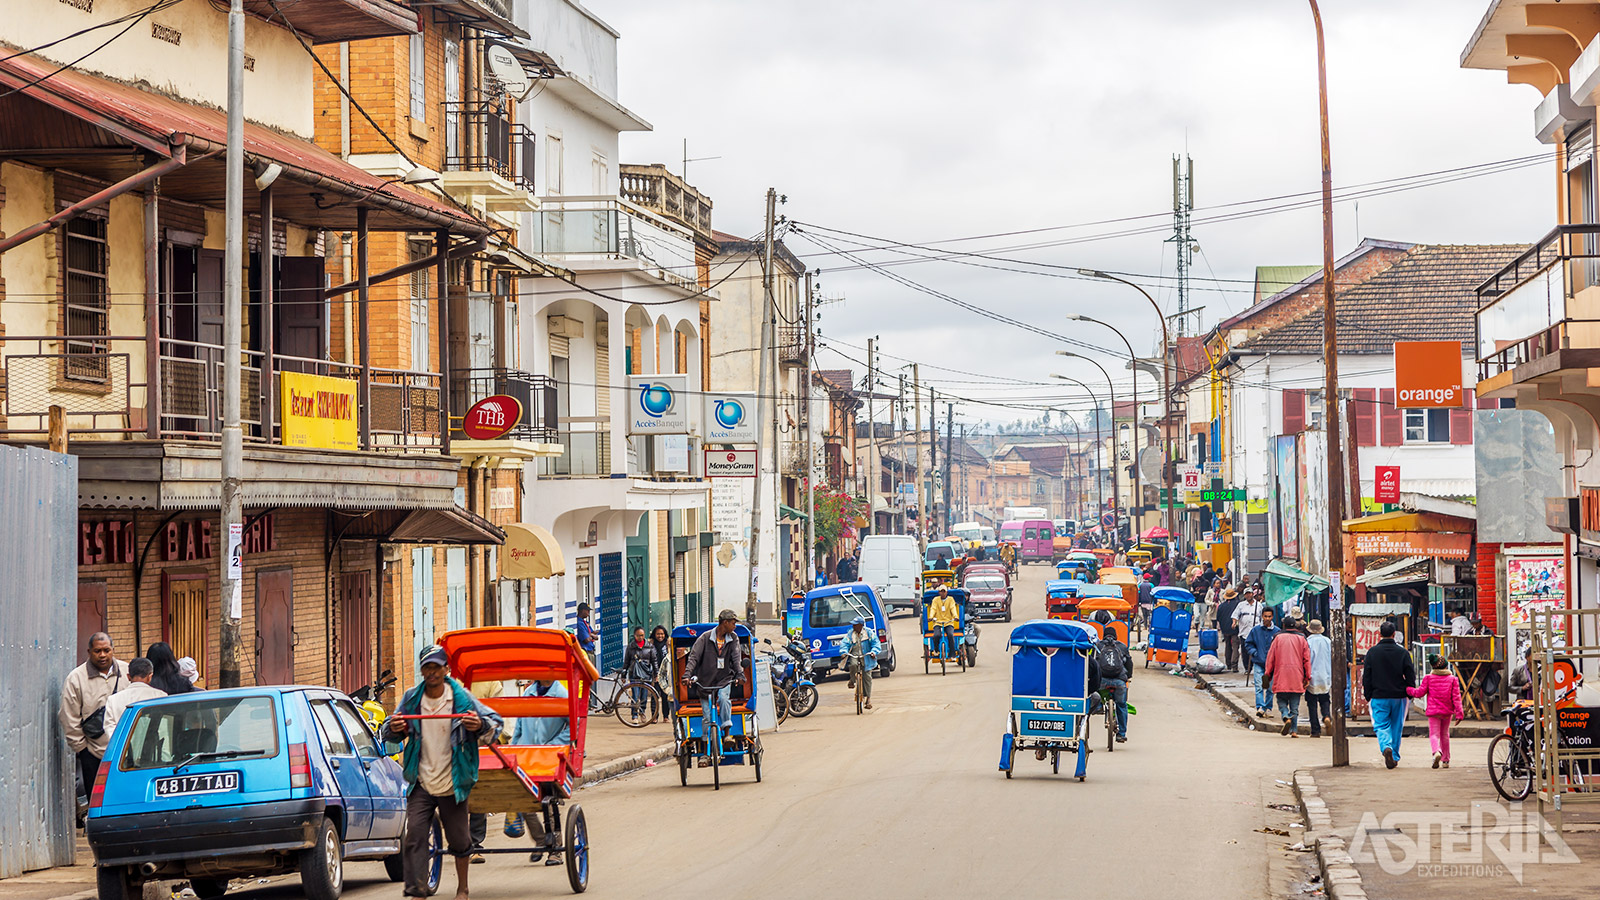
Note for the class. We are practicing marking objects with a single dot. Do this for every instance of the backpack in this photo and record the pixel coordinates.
(1110, 657)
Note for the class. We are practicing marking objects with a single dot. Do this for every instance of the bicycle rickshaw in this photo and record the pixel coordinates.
(1049, 693)
(1105, 555)
(532, 780)
(744, 734)
(1104, 597)
(1169, 627)
(935, 647)
(1076, 568)
(933, 578)
(1061, 597)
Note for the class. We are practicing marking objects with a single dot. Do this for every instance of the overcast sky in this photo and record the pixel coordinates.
(931, 120)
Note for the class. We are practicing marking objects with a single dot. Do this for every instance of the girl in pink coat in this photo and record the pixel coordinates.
(1444, 706)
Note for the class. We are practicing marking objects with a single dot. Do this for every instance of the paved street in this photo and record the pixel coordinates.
(908, 798)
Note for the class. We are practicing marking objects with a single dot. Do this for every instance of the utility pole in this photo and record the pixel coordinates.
(761, 405)
(949, 441)
(916, 454)
(872, 436)
(1330, 416)
(900, 442)
(232, 319)
(811, 453)
(933, 447)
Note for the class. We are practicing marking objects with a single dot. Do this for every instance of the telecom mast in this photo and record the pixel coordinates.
(1182, 205)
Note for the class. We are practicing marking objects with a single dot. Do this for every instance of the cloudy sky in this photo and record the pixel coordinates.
(931, 121)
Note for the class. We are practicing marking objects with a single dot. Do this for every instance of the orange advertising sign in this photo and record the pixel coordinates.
(1445, 545)
(1427, 374)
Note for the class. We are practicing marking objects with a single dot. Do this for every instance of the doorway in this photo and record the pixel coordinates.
(185, 615)
(275, 626)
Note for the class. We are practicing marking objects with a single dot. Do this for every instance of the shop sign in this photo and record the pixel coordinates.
(1446, 545)
(658, 404)
(1427, 374)
(318, 411)
(1191, 478)
(1386, 484)
(530, 552)
(730, 418)
(106, 541)
(1589, 514)
(188, 541)
(730, 464)
(1579, 727)
(491, 418)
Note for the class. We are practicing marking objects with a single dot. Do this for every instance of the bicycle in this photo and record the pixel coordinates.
(629, 701)
(860, 677)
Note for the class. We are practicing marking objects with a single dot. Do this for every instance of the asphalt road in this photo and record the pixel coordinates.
(906, 800)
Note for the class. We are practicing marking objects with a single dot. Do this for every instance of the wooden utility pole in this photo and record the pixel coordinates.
(916, 454)
(58, 429)
(761, 406)
(872, 436)
(949, 440)
(811, 452)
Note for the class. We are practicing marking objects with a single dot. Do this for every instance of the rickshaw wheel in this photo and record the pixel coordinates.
(577, 841)
(1055, 762)
(927, 664)
(1011, 765)
(716, 770)
(683, 767)
(1080, 778)
(755, 758)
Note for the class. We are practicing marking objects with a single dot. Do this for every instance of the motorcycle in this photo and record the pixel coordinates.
(369, 697)
(969, 643)
(793, 672)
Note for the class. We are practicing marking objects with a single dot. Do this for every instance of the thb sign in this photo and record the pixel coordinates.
(1427, 374)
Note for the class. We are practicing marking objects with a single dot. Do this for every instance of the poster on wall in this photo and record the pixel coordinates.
(1533, 582)
(1286, 495)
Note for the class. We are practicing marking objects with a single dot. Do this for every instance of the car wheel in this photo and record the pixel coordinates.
(322, 865)
(394, 866)
(208, 888)
(116, 883)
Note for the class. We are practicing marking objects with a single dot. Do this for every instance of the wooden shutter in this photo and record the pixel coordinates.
(1460, 426)
(602, 381)
(1366, 414)
(1294, 411)
(1391, 422)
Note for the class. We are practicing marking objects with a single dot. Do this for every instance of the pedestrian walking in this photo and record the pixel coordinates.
(1386, 675)
(167, 676)
(822, 577)
(139, 688)
(1443, 708)
(639, 663)
(1227, 628)
(83, 705)
(1321, 678)
(440, 760)
(1287, 667)
(1256, 645)
(1247, 613)
(586, 640)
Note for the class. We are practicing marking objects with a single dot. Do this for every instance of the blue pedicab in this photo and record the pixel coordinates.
(688, 731)
(1061, 597)
(1049, 693)
(935, 647)
(1169, 627)
(1082, 569)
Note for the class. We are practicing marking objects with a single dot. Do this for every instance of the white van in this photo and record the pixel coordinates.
(892, 564)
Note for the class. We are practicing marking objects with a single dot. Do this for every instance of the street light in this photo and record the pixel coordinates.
(1115, 484)
(1133, 363)
(1166, 384)
(1100, 442)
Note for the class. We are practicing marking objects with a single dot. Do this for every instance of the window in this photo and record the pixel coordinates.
(600, 170)
(419, 67)
(84, 295)
(1314, 410)
(1427, 426)
(356, 728)
(452, 100)
(333, 739)
(420, 293)
(167, 733)
(554, 161)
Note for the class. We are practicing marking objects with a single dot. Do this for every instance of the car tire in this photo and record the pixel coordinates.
(116, 883)
(394, 866)
(208, 888)
(322, 864)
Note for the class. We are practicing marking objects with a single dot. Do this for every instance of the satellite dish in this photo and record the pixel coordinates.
(508, 71)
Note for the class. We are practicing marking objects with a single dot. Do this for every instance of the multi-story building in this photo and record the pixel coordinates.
(112, 310)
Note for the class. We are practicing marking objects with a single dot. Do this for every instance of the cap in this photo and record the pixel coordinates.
(858, 621)
(433, 653)
(727, 615)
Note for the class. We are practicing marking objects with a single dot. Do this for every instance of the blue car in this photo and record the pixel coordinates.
(245, 782)
(829, 612)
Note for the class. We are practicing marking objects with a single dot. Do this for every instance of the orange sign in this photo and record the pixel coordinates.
(1427, 374)
(1446, 545)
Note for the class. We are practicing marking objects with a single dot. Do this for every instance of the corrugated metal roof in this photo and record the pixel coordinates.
(1272, 279)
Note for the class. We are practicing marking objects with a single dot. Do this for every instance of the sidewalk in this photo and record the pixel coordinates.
(1234, 691)
(1417, 832)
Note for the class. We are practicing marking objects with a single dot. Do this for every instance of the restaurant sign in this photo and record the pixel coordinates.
(318, 411)
(1446, 545)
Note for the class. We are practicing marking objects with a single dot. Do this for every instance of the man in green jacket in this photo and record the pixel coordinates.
(440, 757)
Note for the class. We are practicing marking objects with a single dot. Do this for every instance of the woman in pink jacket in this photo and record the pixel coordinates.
(1444, 706)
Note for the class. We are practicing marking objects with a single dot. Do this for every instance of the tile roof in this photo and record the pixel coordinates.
(838, 379)
(1366, 246)
(1428, 294)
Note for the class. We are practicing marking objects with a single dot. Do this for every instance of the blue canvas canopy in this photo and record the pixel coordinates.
(1058, 634)
(1100, 590)
(1173, 595)
(1056, 586)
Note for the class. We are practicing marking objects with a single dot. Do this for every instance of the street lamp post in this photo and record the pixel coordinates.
(1114, 486)
(1166, 387)
(1133, 363)
(1100, 443)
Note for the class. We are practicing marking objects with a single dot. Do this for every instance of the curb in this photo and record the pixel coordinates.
(1340, 879)
(1416, 725)
(626, 764)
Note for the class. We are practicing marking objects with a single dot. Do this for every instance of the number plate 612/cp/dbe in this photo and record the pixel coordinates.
(205, 783)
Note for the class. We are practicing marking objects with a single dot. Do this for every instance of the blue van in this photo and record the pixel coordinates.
(829, 612)
(245, 782)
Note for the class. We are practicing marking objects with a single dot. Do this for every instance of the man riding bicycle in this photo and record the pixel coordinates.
(943, 619)
(1115, 666)
(860, 642)
(714, 663)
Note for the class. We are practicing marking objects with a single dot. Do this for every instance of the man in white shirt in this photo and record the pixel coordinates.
(139, 688)
(1460, 624)
(85, 693)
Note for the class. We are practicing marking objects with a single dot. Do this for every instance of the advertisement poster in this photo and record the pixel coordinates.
(1533, 582)
(1287, 495)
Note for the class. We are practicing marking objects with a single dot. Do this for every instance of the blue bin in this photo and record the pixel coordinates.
(1208, 640)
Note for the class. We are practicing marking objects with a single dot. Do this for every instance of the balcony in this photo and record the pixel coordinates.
(599, 230)
(793, 457)
(99, 384)
(1543, 303)
(792, 345)
(536, 393)
(654, 188)
(585, 454)
(488, 158)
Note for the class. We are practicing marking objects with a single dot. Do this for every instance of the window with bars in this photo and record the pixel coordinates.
(1427, 426)
(85, 313)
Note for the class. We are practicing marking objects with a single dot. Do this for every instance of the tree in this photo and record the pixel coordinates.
(836, 512)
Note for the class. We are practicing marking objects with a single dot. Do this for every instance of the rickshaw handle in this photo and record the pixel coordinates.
(434, 716)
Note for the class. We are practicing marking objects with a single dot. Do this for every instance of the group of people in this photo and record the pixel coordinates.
(96, 693)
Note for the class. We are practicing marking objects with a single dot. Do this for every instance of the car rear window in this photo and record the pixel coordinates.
(837, 611)
(167, 734)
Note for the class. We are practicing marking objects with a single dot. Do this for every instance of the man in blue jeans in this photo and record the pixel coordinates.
(1256, 645)
(715, 662)
(1386, 672)
(1115, 665)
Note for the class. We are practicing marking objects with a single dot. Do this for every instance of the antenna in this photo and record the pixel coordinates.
(1182, 206)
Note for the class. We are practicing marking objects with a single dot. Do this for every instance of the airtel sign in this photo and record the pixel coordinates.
(1386, 484)
(492, 417)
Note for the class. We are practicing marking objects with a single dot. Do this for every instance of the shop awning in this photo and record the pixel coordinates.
(1284, 581)
(328, 21)
(1380, 610)
(789, 512)
(1405, 571)
(1424, 522)
(423, 526)
(1156, 534)
(531, 551)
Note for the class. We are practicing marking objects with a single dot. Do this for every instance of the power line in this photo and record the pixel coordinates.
(136, 18)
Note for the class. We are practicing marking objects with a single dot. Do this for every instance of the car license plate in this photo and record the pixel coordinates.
(1047, 725)
(206, 783)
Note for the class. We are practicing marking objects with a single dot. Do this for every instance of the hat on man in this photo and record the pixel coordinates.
(727, 615)
(1230, 593)
(1315, 627)
(858, 621)
(433, 653)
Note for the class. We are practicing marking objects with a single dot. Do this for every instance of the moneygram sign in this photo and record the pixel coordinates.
(1427, 375)
(730, 463)
(658, 404)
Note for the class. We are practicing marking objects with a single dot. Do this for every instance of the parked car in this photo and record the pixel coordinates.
(939, 554)
(988, 593)
(245, 782)
(829, 613)
(891, 564)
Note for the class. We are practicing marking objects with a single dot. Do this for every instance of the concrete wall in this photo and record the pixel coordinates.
(583, 45)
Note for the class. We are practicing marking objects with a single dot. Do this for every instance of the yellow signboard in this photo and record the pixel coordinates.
(318, 411)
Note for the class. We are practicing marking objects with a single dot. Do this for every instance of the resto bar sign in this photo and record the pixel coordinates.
(318, 411)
